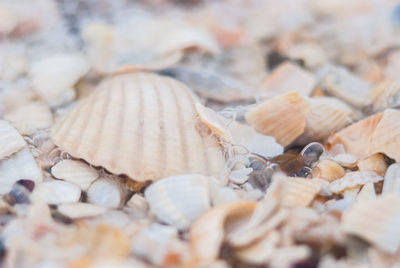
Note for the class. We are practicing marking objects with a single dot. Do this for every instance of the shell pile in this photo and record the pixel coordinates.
(167, 133)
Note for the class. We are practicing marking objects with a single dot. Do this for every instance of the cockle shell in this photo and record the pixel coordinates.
(377, 221)
(391, 183)
(10, 140)
(385, 95)
(142, 125)
(283, 117)
(353, 179)
(299, 192)
(179, 200)
(328, 170)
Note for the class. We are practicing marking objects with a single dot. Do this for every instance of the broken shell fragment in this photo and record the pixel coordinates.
(385, 95)
(299, 192)
(10, 140)
(312, 152)
(283, 117)
(391, 183)
(179, 200)
(157, 111)
(56, 192)
(353, 179)
(107, 192)
(76, 172)
(80, 210)
(375, 162)
(328, 170)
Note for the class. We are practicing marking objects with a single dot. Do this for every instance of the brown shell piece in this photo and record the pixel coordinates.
(142, 125)
(283, 117)
(328, 170)
(375, 162)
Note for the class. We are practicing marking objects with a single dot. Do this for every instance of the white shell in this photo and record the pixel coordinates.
(56, 192)
(179, 200)
(76, 172)
(352, 179)
(10, 140)
(391, 183)
(107, 192)
(385, 95)
(80, 210)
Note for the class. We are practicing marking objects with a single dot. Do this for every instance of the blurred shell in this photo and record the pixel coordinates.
(391, 183)
(142, 125)
(376, 221)
(107, 192)
(311, 53)
(386, 137)
(288, 77)
(385, 95)
(213, 121)
(312, 152)
(354, 178)
(179, 200)
(375, 162)
(345, 160)
(356, 137)
(21, 165)
(56, 192)
(74, 171)
(10, 140)
(299, 192)
(367, 192)
(283, 117)
(80, 210)
(290, 255)
(208, 233)
(328, 170)
(31, 117)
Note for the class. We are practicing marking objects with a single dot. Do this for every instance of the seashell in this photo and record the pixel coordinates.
(137, 207)
(391, 183)
(207, 233)
(54, 76)
(289, 256)
(80, 210)
(385, 95)
(10, 140)
(56, 192)
(19, 165)
(311, 53)
(367, 192)
(377, 221)
(119, 129)
(385, 139)
(356, 137)
(31, 117)
(107, 192)
(339, 205)
(312, 152)
(10, 20)
(288, 77)
(353, 179)
(213, 121)
(299, 192)
(179, 200)
(328, 170)
(375, 162)
(76, 172)
(345, 160)
(283, 117)
(240, 176)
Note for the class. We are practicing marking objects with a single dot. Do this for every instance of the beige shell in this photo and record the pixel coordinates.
(377, 221)
(283, 117)
(353, 179)
(367, 192)
(328, 170)
(386, 137)
(10, 140)
(288, 77)
(299, 192)
(385, 95)
(142, 125)
(80, 210)
(356, 137)
(391, 183)
(375, 162)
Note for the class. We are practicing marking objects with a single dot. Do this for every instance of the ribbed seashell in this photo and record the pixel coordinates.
(299, 192)
(107, 192)
(391, 183)
(209, 231)
(20, 165)
(283, 117)
(375, 162)
(377, 221)
(31, 117)
(288, 77)
(386, 137)
(353, 179)
(76, 172)
(56, 192)
(80, 210)
(385, 95)
(142, 125)
(179, 200)
(356, 137)
(328, 170)
(10, 140)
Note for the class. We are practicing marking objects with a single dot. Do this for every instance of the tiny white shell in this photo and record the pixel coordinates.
(179, 200)
(80, 210)
(56, 192)
(107, 192)
(10, 140)
(391, 183)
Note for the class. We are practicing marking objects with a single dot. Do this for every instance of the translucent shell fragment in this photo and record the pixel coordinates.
(142, 125)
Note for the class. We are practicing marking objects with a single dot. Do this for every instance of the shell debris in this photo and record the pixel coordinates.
(299, 192)
(10, 140)
(352, 179)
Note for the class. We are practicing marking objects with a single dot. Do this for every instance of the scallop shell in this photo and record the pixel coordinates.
(283, 117)
(386, 137)
(142, 125)
(208, 232)
(80, 210)
(56, 192)
(353, 179)
(299, 192)
(76, 172)
(356, 137)
(377, 221)
(328, 170)
(385, 95)
(107, 192)
(289, 77)
(391, 183)
(10, 140)
(375, 162)
(179, 200)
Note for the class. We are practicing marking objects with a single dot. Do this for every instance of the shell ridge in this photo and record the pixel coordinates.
(139, 137)
(162, 141)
